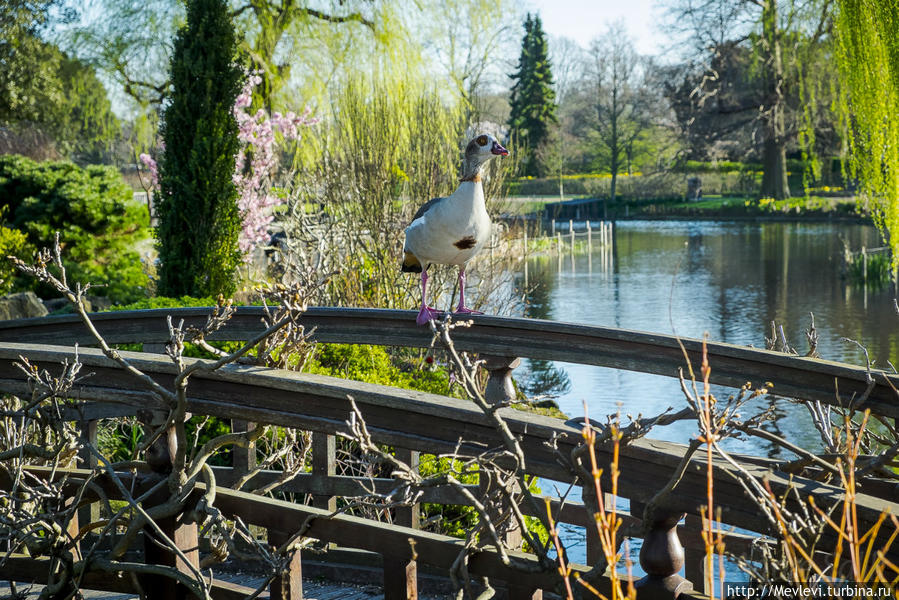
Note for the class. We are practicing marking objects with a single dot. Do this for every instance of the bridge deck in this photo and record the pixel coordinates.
(313, 589)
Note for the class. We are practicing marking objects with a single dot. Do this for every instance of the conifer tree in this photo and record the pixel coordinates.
(533, 106)
(199, 221)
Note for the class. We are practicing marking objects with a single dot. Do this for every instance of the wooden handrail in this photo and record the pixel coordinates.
(415, 421)
(792, 376)
(429, 423)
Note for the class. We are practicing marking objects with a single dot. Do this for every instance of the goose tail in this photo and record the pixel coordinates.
(410, 263)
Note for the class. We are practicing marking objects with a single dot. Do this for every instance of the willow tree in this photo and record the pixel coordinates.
(129, 40)
(868, 59)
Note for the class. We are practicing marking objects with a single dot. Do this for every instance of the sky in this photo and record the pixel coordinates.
(582, 20)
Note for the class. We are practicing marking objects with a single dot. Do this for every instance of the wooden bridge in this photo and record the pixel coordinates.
(416, 422)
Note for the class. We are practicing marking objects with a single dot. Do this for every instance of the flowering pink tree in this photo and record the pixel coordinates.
(255, 169)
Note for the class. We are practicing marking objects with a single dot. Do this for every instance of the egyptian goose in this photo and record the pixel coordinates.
(452, 230)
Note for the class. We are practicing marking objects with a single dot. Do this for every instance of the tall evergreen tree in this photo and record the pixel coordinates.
(199, 221)
(533, 106)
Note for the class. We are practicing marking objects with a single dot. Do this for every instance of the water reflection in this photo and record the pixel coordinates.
(727, 279)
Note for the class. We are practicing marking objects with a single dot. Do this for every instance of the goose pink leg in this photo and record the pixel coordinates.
(426, 313)
(462, 309)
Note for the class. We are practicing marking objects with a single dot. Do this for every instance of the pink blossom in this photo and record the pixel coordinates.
(257, 162)
(255, 167)
(152, 168)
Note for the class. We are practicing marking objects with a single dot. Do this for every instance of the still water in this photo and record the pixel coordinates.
(729, 280)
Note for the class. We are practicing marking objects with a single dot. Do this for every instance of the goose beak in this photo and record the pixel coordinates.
(499, 150)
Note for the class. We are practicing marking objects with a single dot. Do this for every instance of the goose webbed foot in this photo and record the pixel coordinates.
(464, 310)
(426, 314)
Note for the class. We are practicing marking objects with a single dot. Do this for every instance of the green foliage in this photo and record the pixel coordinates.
(199, 221)
(165, 302)
(454, 519)
(373, 364)
(868, 60)
(119, 439)
(386, 147)
(532, 103)
(28, 78)
(83, 124)
(12, 243)
(40, 85)
(877, 267)
(94, 211)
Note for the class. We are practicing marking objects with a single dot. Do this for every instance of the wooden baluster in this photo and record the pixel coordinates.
(324, 465)
(524, 592)
(287, 585)
(182, 533)
(500, 389)
(401, 574)
(694, 565)
(408, 516)
(243, 459)
(90, 513)
(594, 546)
(662, 555)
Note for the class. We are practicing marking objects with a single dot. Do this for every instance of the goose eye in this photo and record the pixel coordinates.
(482, 141)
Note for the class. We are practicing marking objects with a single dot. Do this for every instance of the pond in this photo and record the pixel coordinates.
(729, 280)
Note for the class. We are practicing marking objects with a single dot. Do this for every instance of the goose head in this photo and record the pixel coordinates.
(479, 150)
(483, 148)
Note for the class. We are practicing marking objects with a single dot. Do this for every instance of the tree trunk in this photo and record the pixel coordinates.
(774, 165)
(774, 158)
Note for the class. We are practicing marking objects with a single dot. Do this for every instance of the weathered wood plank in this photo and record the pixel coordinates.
(27, 569)
(430, 548)
(800, 377)
(408, 516)
(288, 518)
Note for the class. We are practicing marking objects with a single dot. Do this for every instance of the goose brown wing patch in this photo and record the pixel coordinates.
(465, 243)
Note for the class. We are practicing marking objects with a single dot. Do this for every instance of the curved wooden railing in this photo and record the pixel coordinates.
(792, 376)
(420, 422)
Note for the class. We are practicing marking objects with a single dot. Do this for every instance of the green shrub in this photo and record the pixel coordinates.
(12, 243)
(165, 302)
(94, 211)
(373, 364)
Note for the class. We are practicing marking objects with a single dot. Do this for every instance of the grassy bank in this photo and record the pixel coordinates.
(709, 207)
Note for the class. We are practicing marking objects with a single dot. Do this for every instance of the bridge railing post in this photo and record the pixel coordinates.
(89, 513)
(594, 544)
(401, 572)
(408, 516)
(184, 534)
(662, 555)
(243, 458)
(324, 465)
(500, 390)
(694, 565)
(288, 584)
